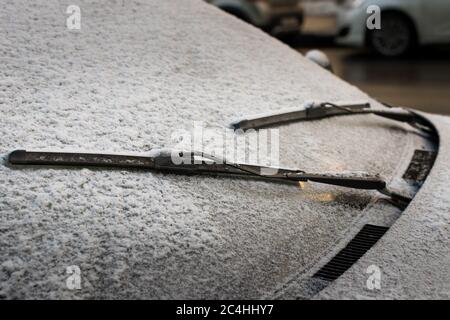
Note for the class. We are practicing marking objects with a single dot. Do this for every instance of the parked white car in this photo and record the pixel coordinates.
(404, 24)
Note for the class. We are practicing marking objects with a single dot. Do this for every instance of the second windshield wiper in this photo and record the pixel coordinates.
(321, 110)
(201, 163)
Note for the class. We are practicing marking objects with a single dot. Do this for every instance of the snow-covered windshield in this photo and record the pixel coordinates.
(126, 81)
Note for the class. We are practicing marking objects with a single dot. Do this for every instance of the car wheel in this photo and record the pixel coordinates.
(396, 36)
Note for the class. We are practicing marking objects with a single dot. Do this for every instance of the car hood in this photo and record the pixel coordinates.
(136, 72)
(414, 255)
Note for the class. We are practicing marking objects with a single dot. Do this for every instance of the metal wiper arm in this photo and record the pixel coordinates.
(315, 111)
(217, 167)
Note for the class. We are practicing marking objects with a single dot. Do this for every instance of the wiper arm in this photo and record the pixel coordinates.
(315, 111)
(210, 166)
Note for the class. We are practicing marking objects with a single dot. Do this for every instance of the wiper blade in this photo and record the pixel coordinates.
(163, 162)
(211, 165)
(315, 111)
(310, 111)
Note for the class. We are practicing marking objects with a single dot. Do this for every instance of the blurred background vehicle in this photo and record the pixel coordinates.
(404, 24)
(277, 17)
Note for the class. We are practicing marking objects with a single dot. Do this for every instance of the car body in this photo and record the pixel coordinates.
(274, 16)
(425, 22)
(126, 82)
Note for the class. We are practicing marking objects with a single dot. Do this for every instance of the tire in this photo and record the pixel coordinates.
(396, 37)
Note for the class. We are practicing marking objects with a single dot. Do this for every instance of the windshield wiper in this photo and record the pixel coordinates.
(201, 163)
(321, 110)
